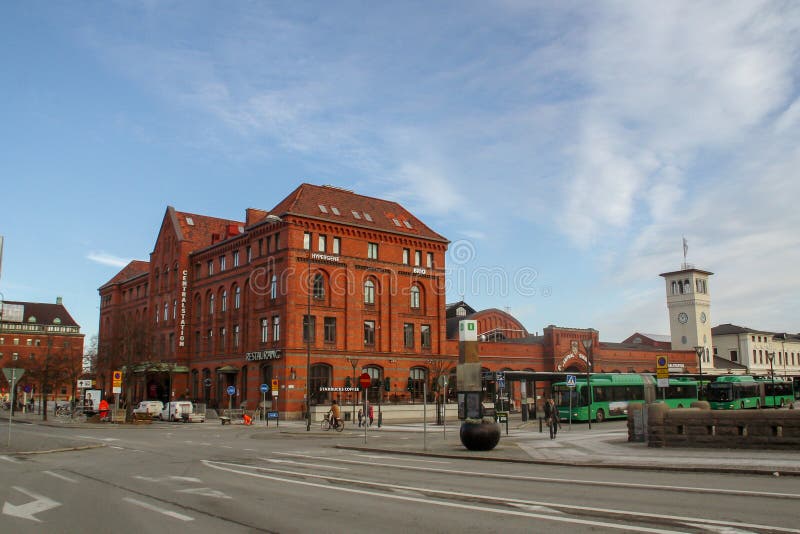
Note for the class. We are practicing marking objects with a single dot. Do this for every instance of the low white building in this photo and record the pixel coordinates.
(752, 349)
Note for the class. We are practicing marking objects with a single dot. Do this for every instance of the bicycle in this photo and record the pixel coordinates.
(338, 425)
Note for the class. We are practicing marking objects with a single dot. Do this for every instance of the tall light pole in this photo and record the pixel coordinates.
(308, 342)
(771, 357)
(587, 344)
(700, 351)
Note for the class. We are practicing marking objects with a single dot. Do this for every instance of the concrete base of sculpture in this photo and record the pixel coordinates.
(480, 436)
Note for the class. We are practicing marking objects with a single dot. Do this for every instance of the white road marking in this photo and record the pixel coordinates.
(250, 450)
(9, 459)
(623, 515)
(628, 485)
(378, 456)
(206, 492)
(26, 511)
(471, 507)
(316, 466)
(62, 477)
(152, 508)
(98, 439)
(186, 479)
(117, 447)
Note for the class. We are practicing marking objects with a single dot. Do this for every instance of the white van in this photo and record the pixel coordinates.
(181, 411)
(152, 408)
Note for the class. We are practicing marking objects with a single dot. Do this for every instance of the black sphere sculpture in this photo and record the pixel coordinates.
(480, 436)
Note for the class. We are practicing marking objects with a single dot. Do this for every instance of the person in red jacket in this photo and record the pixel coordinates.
(103, 409)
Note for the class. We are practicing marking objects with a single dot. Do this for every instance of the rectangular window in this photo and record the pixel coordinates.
(330, 329)
(369, 332)
(235, 258)
(210, 340)
(306, 240)
(408, 335)
(406, 256)
(429, 260)
(417, 258)
(269, 244)
(372, 251)
(222, 263)
(264, 329)
(172, 343)
(309, 327)
(261, 247)
(197, 341)
(221, 340)
(249, 252)
(322, 243)
(337, 245)
(210, 264)
(277, 241)
(276, 328)
(425, 336)
(30, 342)
(236, 336)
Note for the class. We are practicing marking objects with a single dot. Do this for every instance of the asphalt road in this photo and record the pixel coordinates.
(209, 478)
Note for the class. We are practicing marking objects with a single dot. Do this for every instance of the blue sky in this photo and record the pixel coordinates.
(566, 146)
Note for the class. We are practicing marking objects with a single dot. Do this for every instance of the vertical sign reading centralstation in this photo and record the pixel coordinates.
(184, 286)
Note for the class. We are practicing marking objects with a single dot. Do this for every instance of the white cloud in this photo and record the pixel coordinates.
(103, 258)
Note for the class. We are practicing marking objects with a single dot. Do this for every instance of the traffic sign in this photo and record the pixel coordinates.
(207, 382)
(365, 380)
(443, 381)
(84, 384)
(14, 372)
(571, 381)
(231, 390)
(501, 382)
(264, 388)
(274, 384)
(662, 372)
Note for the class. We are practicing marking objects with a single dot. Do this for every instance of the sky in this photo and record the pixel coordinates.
(564, 148)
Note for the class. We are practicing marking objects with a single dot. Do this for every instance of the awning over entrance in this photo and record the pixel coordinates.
(229, 369)
(160, 367)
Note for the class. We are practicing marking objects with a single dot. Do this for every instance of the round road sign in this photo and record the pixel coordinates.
(365, 380)
(207, 382)
(231, 390)
(264, 388)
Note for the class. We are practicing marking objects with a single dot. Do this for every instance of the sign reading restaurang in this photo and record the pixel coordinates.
(262, 355)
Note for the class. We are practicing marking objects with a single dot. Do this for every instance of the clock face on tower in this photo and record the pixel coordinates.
(702, 317)
(683, 318)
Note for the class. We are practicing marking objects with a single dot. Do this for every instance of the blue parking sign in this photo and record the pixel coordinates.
(231, 390)
(264, 388)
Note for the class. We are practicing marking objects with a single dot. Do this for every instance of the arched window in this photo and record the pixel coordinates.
(674, 287)
(376, 374)
(237, 298)
(211, 304)
(416, 382)
(680, 288)
(321, 376)
(687, 286)
(273, 287)
(318, 289)
(415, 297)
(369, 292)
(224, 301)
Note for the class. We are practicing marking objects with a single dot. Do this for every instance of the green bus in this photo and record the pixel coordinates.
(743, 392)
(611, 394)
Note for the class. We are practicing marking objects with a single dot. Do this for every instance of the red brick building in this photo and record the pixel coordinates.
(44, 340)
(347, 282)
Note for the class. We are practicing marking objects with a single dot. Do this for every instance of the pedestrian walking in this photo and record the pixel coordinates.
(360, 417)
(371, 414)
(554, 419)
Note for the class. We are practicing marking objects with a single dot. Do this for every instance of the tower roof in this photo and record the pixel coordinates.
(687, 270)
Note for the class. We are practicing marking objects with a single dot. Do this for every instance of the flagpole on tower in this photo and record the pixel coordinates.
(685, 250)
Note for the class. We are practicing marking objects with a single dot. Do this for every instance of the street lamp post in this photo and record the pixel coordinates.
(587, 344)
(699, 351)
(308, 343)
(354, 363)
(771, 357)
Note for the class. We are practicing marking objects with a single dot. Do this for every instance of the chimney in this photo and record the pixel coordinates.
(58, 301)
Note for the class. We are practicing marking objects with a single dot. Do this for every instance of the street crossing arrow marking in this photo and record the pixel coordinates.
(28, 510)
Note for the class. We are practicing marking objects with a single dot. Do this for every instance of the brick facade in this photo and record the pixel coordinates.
(201, 315)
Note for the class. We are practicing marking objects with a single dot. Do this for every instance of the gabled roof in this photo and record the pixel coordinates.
(659, 338)
(323, 202)
(200, 229)
(452, 309)
(45, 313)
(722, 363)
(130, 271)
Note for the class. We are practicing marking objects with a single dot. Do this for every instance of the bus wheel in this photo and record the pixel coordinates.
(782, 402)
(758, 404)
(601, 416)
(742, 405)
(680, 406)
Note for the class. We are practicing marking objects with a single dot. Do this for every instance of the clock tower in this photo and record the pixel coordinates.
(689, 305)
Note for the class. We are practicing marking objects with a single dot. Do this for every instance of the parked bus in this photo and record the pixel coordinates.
(743, 392)
(611, 394)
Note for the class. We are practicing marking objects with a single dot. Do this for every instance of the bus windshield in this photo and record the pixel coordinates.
(562, 395)
(719, 392)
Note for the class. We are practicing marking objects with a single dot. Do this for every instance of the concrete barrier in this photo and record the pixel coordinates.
(699, 426)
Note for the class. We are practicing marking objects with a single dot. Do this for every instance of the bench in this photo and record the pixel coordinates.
(142, 418)
(228, 415)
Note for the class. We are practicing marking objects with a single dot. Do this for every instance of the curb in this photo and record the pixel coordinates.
(561, 463)
(65, 449)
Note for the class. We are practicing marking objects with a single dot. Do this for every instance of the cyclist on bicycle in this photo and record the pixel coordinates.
(335, 413)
